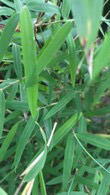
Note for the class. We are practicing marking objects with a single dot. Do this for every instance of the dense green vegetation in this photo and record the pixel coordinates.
(54, 98)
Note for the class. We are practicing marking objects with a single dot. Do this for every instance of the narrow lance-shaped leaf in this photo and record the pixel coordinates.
(104, 185)
(64, 129)
(29, 58)
(5, 11)
(102, 58)
(39, 6)
(99, 111)
(2, 111)
(73, 193)
(101, 88)
(8, 141)
(66, 7)
(73, 61)
(62, 103)
(68, 161)
(7, 2)
(35, 167)
(18, 5)
(95, 140)
(24, 138)
(17, 60)
(54, 44)
(7, 35)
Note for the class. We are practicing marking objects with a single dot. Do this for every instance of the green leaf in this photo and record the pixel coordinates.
(24, 138)
(72, 193)
(7, 34)
(2, 111)
(61, 104)
(87, 18)
(8, 141)
(64, 129)
(2, 192)
(5, 11)
(17, 60)
(35, 167)
(54, 181)
(17, 105)
(18, 5)
(7, 83)
(66, 7)
(54, 44)
(104, 185)
(86, 181)
(73, 61)
(103, 85)
(8, 3)
(29, 58)
(68, 161)
(43, 7)
(99, 111)
(102, 58)
(95, 140)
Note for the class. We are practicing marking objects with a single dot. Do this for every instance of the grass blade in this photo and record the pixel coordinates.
(17, 60)
(43, 7)
(64, 129)
(103, 85)
(8, 3)
(18, 5)
(5, 11)
(35, 167)
(68, 161)
(102, 59)
(8, 141)
(24, 138)
(29, 58)
(2, 111)
(54, 44)
(72, 193)
(95, 140)
(66, 7)
(104, 185)
(7, 34)
(73, 61)
(62, 103)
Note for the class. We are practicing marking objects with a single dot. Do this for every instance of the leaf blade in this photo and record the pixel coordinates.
(95, 140)
(23, 140)
(68, 161)
(53, 46)
(7, 34)
(64, 129)
(62, 103)
(8, 140)
(29, 58)
(2, 111)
